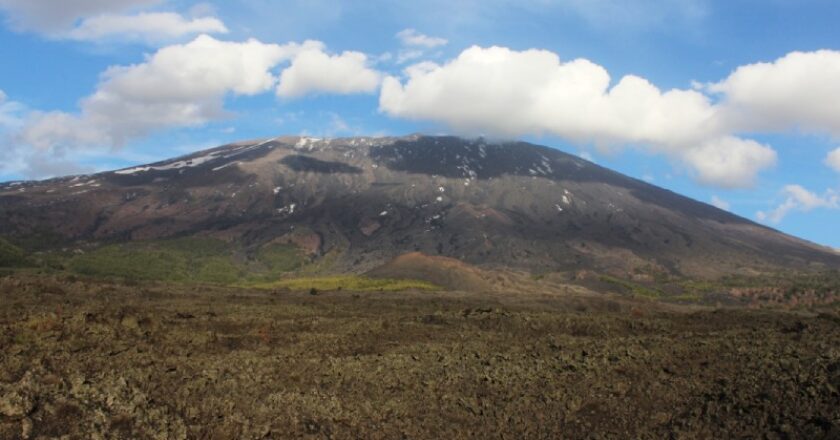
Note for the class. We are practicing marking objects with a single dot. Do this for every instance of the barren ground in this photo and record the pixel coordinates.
(84, 359)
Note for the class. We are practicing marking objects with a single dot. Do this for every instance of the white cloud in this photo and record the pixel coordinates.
(16, 159)
(499, 91)
(506, 92)
(729, 162)
(10, 113)
(313, 71)
(185, 85)
(152, 26)
(51, 16)
(180, 85)
(719, 203)
(406, 55)
(415, 45)
(798, 198)
(797, 91)
(410, 37)
(833, 160)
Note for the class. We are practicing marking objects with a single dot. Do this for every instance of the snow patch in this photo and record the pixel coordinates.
(177, 165)
(226, 165)
(306, 142)
(133, 170)
(290, 209)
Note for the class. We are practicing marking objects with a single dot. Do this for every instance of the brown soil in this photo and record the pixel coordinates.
(442, 271)
(86, 360)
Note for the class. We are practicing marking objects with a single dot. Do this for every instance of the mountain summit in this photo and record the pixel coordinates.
(361, 202)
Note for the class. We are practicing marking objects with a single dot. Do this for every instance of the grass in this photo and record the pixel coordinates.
(635, 289)
(186, 260)
(279, 259)
(180, 260)
(211, 261)
(348, 282)
(322, 264)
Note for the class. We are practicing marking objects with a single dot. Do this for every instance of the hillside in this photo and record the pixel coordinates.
(354, 204)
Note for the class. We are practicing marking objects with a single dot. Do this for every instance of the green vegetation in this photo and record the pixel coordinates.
(185, 260)
(322, 264)
(210, 261)
(40, 240)
(280, 258)
(179, 260)
(633, 288)
(12, 256)
(348, 282)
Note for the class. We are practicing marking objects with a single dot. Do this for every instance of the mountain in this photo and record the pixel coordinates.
(356, 204)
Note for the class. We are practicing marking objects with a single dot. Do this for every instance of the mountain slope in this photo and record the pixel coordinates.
(360, 202)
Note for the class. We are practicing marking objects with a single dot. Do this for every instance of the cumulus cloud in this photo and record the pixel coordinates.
(503, 92)
(185, 85)
(730, 162)
(798, 198)
(833, 160)
(313, 70)
(15, 158)
(509, 92)
(180, 85)
(797, 91)
(719, 203)
(153, 26)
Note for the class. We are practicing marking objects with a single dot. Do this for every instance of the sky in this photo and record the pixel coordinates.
(733, 103)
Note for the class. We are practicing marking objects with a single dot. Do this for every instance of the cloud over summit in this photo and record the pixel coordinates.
(500, 91)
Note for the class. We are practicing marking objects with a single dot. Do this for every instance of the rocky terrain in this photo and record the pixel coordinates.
(86, 359)
(358, 203)
(415, 287)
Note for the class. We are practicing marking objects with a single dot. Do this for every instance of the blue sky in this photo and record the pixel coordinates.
(731, 102)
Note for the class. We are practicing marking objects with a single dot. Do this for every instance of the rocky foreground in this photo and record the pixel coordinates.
(82, 359)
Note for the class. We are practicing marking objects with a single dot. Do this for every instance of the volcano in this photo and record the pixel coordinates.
(362, 202)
